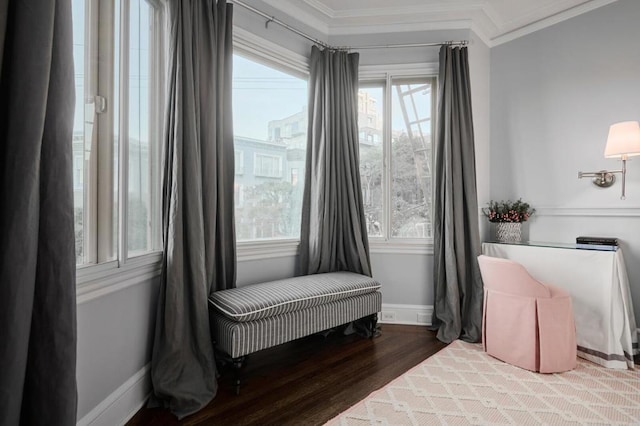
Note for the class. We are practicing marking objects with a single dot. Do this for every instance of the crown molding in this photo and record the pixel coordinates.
(481, 34)
(406, 11)
(400, 27)
(483, 26)
(479, 16)
(547, 22)
(384, 20)
(536, 14)
(321, 7)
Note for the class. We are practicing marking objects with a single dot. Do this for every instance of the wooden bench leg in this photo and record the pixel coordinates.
(224, 360)
(237, 367)
(372, 326)
(368, 326)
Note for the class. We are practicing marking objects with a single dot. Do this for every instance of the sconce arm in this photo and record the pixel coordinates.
(602, 178)
(606, 178)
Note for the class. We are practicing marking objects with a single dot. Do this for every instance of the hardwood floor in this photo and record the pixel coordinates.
(309, 381)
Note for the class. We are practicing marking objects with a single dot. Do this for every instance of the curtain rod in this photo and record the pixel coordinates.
(282, 24)
(382, 46)
(328, 46)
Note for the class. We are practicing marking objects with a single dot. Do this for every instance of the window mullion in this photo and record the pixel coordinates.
(105, 172)
(386, 155)
(123, 133)
(157, 128)
(434, 119)
(90, 134)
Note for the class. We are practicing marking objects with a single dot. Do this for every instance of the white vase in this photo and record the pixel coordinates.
(509, 232)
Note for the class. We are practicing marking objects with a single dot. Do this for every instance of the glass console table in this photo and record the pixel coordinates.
(571, 246)
(598, 283)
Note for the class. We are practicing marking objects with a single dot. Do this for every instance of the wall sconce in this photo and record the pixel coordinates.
(623, 142)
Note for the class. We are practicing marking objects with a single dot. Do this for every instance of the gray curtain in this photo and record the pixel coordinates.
(333, 232)
(458, 294)
(199, 235)
(37, 254)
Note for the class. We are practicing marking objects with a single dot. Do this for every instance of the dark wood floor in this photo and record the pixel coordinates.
(309, 381)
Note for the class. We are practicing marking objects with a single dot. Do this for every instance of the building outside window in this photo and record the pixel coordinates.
(270, 135)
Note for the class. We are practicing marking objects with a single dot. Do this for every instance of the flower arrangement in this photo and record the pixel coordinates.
(508, 211)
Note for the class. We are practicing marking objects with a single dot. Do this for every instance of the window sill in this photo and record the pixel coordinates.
(94, 281)
(257, 250)
(380, 246)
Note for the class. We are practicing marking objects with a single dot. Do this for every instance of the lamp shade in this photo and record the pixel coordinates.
(623, 140)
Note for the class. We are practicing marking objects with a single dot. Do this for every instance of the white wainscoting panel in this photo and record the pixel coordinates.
(123, 403)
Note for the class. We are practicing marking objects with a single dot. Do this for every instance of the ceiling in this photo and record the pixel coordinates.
(494, 21)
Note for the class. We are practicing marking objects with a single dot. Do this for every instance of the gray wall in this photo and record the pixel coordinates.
(405, 278)
(257, 271)
(480, 75)
(554, 94)
(115, 335)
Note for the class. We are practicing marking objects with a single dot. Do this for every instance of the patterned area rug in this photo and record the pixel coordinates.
(462, 385)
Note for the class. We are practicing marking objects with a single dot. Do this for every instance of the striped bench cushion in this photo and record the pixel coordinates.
(265, 300)
(243, 338)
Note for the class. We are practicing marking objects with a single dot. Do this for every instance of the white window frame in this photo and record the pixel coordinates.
(102, 273)
(384, 76)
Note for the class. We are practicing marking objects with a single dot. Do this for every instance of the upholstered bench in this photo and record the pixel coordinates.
(258, 316)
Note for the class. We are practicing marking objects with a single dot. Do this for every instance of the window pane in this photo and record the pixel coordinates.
(140, 144)
(370, 108)
(78, 13)
(411, 160)
(115, 114)
(270, 124)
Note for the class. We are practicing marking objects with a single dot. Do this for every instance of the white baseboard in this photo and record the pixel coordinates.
(406, 314)
(123, 403)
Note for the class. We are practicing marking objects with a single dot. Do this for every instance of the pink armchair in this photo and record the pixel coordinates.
(526, 323)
